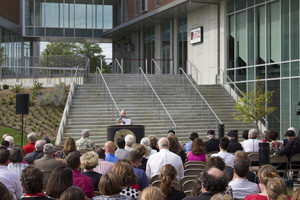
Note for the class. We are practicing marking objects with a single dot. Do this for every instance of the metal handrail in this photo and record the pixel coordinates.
(108, 91)
(63, 121)
(156, 65)
(161, 103)
(194, 68)
(203, 99)
(240, 92)
(118, 64)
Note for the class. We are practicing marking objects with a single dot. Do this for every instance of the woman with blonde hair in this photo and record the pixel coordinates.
(167, 175)
(151, 193)
(265, 174)
(276, 189)
(198, 152)
(128, 178)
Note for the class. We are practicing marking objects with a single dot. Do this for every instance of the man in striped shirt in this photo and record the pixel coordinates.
(104, 166)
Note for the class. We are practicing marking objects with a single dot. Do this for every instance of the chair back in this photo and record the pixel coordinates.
(194, 172)
(187, 178)
(187, 185)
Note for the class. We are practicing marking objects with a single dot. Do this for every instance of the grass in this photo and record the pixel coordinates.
(16, 134)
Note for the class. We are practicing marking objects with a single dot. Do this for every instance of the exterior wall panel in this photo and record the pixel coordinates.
(10, 9)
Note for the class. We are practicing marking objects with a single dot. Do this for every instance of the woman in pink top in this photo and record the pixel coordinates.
(198, 151)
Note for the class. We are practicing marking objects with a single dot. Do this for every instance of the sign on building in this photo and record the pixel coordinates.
(197, 35)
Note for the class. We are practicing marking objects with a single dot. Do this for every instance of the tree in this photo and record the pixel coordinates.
(254, 105)
(2, 55)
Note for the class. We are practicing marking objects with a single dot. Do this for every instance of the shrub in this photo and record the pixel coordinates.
(55, 98)
(10, 100)
(36, 86)
(5, 87)
(2, 101)
(17, 88)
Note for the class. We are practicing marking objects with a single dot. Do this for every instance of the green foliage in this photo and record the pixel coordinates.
(36, 88)
(2, 55)
(258, 107)
(5, 87)
(2, 101)
(16, 134)
(17, 88)
(10, 100)
(53, 98)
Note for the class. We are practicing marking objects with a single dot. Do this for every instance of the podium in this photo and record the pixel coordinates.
(115, 131)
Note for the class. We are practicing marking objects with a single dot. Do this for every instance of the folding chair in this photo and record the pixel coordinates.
(295, 165)
(194, 162)
(187, 185)
(175, 184)
(194, 172)
(254, 159)
(282, 161)
(187, 178)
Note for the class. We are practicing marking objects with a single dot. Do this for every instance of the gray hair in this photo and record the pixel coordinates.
(163, 142)
(48, 148)
(253, 133)
(129, 139)
(10, 139)
(31, 137)
(39, 145)
(145, 141)
(85, 133)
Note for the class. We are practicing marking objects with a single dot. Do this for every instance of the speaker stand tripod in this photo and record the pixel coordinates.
(22, 131)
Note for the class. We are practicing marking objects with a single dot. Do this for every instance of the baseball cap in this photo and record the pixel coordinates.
(210, 132)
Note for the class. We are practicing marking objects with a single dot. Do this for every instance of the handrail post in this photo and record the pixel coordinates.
(122, 65)
(101, 64)
(146, 65)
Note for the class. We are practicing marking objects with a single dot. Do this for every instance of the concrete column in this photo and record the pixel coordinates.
(157, 54)
(175, 46)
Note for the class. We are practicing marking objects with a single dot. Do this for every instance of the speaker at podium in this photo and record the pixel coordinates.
(115, 131)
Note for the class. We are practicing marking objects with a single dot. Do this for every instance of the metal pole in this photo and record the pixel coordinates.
(22, 131)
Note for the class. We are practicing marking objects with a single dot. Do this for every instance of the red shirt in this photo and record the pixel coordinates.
(29, 148)
(84, 182)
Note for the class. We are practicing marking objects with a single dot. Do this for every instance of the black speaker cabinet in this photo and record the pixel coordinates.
(115, 131)
(22, 103)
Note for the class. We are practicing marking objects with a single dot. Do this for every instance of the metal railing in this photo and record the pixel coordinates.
(156, 65)
(113, 104)
(203, 101)
(60, 133)
(159, 102)
(190, 71)
(119, 65)
(237, 93)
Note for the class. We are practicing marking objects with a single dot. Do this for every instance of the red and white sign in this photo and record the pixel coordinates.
(196, 35)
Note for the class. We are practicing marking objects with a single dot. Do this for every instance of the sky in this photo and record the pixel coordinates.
(106, 48)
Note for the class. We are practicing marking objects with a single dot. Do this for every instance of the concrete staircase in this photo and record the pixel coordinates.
(89, 108)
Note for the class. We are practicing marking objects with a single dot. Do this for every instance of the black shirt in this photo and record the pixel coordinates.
(95, 177)
(234, 146)
(202, 196)
(212, 145)
(175, 195)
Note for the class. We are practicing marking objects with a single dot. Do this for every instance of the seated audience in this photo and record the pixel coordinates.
(197, 152)
(228, 157)
(103, 165)
(10, 139)
(31, 137)
(72, 193)
(121, 153)
(37, 153)
(252, 144)
(296, 194)
(212, 144)
(168, 175)
(110, 149)
(60, 180)
(293, 145)
(163, 157)
(80, 180)
(69, 147)
(213, 181)
(221, 196)
(175, 147)
(47, 163)
(151, 193)
(129, 139)
(265, 173)
(197, 185)
(128, 178)
(110, 187)
(32, 183)
(85, 142)
(144, 151)
(5, 194)
(274, 144)
(276, 189)
(234, 145)
(229, 171)
(10, 179)
(240, 185)
(89, 161)
(146, 142)
(216, 162)
(4, 136)
(4, 144)
(153, 142)
(17, 160)
(135, 158)
(47, 139)
(188, 146)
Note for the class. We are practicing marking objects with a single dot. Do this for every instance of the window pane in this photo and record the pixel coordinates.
(260, 35)
(273, 32)
(274, 118)
(251, 73)
(259, 1)
(98, 17)
(251, 36)
(250, 3)
(285, 70)
(241, 74)
(69, 14)
(80, 15)
(285, 30)
(295, 90)
(29, 16)
(39, 13)
(52, 14)
(285, 105)
(230, 6)
(295, 69)
(295, 29)
(273, 71)
(240, 5)
(231, 42)
(260, 72)
(241, 40)
(108, 17)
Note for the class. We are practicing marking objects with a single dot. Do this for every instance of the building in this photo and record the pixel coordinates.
(248, 40)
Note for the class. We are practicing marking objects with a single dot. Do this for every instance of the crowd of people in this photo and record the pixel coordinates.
(125, 171)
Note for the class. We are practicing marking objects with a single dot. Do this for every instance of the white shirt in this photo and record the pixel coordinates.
(251, 145)
(227, 157)
(151, 153)
(17, 167)
(163, 157)
(242, 187)
(12, 181)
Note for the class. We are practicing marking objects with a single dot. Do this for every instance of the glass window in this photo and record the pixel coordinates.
(51, 13)
(240, 5)
(231, 42)
(242, 86)
(136, 7)
(259, 1)
(260, 35)
(39, 13)
(230, 6)
(285, 30)
(89, 16)
(61, 15)
(80, 15)
(144, 5)
(29, 16)
(274, 117)
(126, 10)
(285, 105)
(295, 29)
(273, 32)
(241, 74)
(273, 71)
(285, 70)
(251, 36)
(108, 16)
(251, 73)
(295, 92)
(157, 2)
(241, 40)
(295, 69)
(250, 3)
(260, 72)
(69, 14)
(98, 16)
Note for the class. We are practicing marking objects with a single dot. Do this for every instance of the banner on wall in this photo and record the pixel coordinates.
(197, 35)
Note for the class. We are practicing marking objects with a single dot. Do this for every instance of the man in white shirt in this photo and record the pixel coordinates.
(241, 186)
(10, 179)
(129, 139)
(123, 120)
(163, 157)
(252, 144)
(227, 157)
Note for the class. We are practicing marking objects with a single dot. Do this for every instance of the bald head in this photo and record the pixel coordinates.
(215, 172)
(213, 180)
(163, 143)
(110, 147)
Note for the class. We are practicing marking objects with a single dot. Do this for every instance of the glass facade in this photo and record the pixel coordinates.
(70, 18)
(263, 44)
